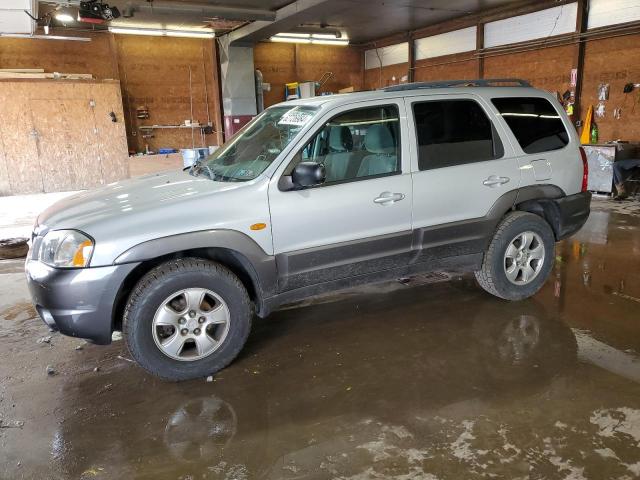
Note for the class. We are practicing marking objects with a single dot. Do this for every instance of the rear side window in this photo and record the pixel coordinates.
(534, 122)
(454, 132)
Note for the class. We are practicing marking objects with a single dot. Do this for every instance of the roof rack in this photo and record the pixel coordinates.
(480, 82)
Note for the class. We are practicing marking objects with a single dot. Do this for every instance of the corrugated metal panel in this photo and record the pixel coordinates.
(390, 55)
(610, 12)
(446, 43)
(542, 24)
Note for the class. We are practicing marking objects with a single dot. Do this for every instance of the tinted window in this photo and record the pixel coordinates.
(356, 144)
(534, 122)
(454, 132)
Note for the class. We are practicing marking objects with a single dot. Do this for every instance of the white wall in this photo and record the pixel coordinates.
(610, 12)
(391, 55)
(542, 24)
(446, 43)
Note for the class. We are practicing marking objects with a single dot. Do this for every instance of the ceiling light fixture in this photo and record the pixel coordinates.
(45, 37)
(313, 38)
(161, 33)
(283, 39)
(64, 17)
(326, 36)
(338, 42)
(293, 34)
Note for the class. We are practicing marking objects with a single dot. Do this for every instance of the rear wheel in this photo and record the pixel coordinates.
(187, 318)
(519, 258)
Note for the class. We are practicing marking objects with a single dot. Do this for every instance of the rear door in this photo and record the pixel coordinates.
(547, 153)
(461, 168)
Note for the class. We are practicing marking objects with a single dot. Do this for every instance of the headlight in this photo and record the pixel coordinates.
(66, 249)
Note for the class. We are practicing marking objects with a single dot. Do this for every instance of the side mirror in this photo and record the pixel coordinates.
(308, 174)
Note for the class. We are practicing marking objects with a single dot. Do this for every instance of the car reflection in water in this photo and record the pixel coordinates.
(330, 377)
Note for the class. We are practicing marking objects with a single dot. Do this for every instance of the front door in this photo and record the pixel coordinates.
(359, 220)
(461, 169)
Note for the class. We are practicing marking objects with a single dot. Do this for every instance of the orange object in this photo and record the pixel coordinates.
(78, 258)
(585, 136)
(258, 226)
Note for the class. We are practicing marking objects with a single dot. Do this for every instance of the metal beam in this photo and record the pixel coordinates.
(199, 10)
(285, 19)
(581, 27)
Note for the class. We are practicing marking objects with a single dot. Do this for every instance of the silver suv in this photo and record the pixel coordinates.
(312, 196)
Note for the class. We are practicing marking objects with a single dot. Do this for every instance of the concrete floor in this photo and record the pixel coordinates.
(427, 380)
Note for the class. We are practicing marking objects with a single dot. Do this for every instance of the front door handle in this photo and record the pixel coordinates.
(387, 198)
(495, 181)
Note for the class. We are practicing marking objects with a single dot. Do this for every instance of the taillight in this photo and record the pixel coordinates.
(585, 169)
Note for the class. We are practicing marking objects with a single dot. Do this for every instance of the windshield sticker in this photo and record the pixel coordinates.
(295, 117)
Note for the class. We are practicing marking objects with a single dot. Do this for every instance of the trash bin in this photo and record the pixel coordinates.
(190, 155)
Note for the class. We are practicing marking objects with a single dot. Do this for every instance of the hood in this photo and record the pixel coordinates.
(136, 195)
(123, 214)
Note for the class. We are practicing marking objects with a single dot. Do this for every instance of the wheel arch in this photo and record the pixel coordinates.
(236, 251)
(541, 200)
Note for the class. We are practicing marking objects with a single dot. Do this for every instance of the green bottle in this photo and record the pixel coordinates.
(594, 134)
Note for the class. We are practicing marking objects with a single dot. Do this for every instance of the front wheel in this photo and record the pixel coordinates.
(519, 258)
(187, 318)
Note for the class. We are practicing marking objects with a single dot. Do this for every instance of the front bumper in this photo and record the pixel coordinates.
(77, 302)
(573, 212)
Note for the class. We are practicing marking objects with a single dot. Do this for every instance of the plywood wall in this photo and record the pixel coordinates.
(59, 135)
(154, 72)
(94, 57)
(615, 61)
(282, 63)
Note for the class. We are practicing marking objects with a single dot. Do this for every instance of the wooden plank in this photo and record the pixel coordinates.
(22, 70)
(12, 75)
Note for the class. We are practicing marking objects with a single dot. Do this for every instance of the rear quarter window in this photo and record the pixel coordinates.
(534, 122)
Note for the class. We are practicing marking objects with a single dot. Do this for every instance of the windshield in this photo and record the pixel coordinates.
(254, 147)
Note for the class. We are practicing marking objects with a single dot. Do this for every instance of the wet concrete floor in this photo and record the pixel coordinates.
(428, 379)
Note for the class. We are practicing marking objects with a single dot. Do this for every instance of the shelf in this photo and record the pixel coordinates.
(157, 127)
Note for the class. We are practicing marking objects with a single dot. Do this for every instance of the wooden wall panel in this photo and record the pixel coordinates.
(547, 68)
(19, 145)
(5, 184)
(375, 78)
(93, 57)
(282, 63)
(615, 61)
(111, 136)
(155, 73)
(58, 135)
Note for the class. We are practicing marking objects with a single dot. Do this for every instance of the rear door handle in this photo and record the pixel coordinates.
(387, 198)
(495, 181)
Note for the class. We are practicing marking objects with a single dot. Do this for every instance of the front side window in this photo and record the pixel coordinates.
(356, 144)
(254, 147)
(454, 132)
(534, 122)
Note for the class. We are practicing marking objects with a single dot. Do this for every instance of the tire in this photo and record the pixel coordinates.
(493, 276)
(170, 286)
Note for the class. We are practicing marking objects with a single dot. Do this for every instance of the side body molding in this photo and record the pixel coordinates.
(258, 264)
